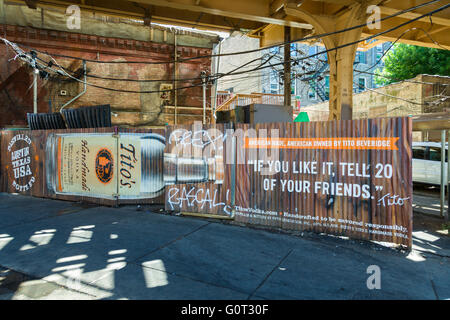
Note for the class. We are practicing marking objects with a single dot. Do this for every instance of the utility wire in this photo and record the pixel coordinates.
(153, 80)
(151, 91)
(406, 80)
(259, 49)
(282, 63)
(398, 38)
(217, 76)
(365, 39)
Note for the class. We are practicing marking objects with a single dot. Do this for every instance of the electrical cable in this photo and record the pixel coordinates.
(148, 80)
(259, 49)
(398, 38)
(140, 92)
(367, 38)
(217, 76)
(294, 60)
(406, 80)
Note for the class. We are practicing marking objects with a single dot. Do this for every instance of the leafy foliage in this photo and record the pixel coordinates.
(407, 61)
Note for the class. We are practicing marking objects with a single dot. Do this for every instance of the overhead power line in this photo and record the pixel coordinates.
(254, 50)
(406, 80)
(396, 40)
(367, 38)
(217, 76)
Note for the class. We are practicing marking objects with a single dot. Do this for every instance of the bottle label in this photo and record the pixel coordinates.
(129, 166)
(87, 165)
(102, 165)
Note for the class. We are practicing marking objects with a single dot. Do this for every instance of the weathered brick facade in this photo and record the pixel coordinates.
(129, 109)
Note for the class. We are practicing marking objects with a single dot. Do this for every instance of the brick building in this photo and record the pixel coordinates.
(102, 39)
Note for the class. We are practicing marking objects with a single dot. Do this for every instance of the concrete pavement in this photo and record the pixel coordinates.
(61, 250)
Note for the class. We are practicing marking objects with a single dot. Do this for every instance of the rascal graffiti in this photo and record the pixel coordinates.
(192, 196)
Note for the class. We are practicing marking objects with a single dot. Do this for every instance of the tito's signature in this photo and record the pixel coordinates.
(391, 200)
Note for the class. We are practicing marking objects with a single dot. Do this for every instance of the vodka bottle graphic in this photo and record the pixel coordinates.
(121, 166)
(106, 165)
(181, 170)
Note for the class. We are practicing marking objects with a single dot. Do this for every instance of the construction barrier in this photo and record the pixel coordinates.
(101, 165)
(349, 178)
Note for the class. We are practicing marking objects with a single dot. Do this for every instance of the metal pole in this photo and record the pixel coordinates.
(447, 216)
(35, 75)
(217, 81)
(287, 66)
(204, 96)
(81, 93)
(175, 66)
(443, 182)
(204, 102)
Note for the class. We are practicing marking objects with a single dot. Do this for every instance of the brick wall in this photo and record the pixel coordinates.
(131, 109)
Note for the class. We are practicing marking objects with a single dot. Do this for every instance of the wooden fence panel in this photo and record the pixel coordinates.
(329, 177)
(31, 146)
(351, 178)
(197, 177)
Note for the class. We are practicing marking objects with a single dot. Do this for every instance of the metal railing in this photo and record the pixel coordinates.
(229, 101)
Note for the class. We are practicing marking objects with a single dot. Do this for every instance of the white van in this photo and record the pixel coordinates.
(426, 162)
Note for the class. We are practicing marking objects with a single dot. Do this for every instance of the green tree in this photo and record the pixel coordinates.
(407, 61)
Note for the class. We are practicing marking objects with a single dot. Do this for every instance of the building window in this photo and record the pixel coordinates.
(312, 94)
(379, 52)
(312, 50)
(273, 77)
(293, 86)
(327, 86)
(274, 50)
(293, 49)
(274, 82)
(361, 84)
(361, 57)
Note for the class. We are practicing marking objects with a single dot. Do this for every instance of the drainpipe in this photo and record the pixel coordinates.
(447, 216)
(35, 75)
(175, 66)
(217, 80)
(204, 96)
(443, 182)
(81, 93)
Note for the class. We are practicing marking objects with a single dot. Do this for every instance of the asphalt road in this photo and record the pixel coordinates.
(61, 250)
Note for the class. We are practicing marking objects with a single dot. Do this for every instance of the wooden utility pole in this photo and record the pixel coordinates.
(287, 66)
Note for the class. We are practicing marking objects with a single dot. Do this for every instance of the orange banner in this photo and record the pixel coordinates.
(322, 143)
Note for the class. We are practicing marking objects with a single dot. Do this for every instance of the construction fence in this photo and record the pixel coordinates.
(351, 178)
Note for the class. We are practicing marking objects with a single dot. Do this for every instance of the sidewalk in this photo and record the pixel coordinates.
(427, 204)
(61, 250)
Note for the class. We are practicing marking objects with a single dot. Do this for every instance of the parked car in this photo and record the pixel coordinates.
(426, 162)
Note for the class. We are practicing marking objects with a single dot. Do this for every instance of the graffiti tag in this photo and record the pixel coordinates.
(191, 196)
(199, 138)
